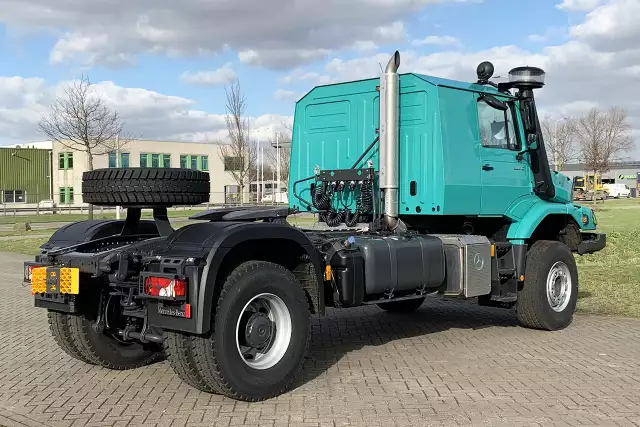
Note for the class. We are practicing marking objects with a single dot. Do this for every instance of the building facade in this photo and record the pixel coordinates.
(25, 176)
(621, 173)
(56, 175)
(70, 164)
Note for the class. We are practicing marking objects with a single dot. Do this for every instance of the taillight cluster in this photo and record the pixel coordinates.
(165, 287)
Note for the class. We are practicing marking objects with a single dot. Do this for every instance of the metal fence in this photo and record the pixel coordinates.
(67, 203)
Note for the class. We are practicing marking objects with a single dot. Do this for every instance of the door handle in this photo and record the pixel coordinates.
(487, 167)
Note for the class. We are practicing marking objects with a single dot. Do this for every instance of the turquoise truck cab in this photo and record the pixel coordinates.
(467, 157)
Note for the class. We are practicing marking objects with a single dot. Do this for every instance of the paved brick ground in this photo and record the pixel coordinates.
(449, 364)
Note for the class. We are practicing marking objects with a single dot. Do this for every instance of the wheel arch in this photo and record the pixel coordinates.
(278, 243)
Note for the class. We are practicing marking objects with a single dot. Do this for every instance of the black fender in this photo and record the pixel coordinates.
(86, 231)
(215, 240)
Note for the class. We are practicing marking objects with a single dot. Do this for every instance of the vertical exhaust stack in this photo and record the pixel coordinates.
(389, 140)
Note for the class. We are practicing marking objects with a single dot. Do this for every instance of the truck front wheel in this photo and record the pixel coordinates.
(259, 335)
(549, 294)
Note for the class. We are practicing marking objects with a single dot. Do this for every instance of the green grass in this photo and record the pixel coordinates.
(609, 279)
(64, 217)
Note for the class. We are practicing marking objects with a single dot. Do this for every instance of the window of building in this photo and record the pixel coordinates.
(194, 162)
(183, 161)
(204, 163)
(124, 160)
(496, 127)
(65, 160)
(66, 195)
(13, 196)
(155, 160)
(233, 163)
(112, 160)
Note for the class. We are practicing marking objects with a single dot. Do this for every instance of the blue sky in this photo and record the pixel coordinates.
(30, 55)
(140, 50)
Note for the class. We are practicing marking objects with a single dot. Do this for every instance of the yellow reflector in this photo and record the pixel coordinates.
(69, 281)
(327, 273)
(38, 280)
(493, 250)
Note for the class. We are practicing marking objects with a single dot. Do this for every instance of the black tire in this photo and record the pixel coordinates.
(62, 334)
(145, 187)
(216, 355)
(178, 348)
(108, 351)
(402, 306)
(75, 335)
(534, 309)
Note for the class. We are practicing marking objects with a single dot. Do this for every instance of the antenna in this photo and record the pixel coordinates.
(381, 69)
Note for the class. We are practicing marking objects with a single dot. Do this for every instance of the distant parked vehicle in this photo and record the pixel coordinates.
(618, 190)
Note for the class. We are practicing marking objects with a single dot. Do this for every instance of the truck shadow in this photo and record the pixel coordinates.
(343, 331)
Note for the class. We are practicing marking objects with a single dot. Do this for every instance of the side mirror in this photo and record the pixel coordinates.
(532, 142)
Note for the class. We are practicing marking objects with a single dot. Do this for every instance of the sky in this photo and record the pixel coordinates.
(164, 66)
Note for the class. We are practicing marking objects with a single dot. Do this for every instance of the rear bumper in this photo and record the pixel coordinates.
(592, 242)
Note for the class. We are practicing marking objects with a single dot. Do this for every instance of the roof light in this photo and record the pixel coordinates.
(530, 77)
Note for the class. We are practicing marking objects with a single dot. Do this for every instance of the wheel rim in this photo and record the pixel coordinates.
(559, 286)
(263, 331)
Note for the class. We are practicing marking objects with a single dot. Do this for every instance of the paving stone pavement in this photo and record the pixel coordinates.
(449, 364)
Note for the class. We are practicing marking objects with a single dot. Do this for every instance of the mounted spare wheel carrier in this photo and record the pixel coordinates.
(423, 186)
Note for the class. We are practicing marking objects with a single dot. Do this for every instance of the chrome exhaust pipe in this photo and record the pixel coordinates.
(389, 140)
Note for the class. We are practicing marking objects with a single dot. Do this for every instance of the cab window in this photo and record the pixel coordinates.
(496, 127)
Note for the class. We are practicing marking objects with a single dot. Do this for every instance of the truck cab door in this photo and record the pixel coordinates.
(504, 176)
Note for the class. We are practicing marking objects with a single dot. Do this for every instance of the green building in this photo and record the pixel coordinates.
(25, 175)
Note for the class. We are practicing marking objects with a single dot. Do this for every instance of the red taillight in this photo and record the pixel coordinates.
(165, 287)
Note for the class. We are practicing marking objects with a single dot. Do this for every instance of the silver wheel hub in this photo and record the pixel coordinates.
(559, 286)
(263, 331)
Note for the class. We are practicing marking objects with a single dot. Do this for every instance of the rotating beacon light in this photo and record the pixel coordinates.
(527, 77)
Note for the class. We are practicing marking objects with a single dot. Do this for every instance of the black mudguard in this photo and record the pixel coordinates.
(86, 231)
(213, 241)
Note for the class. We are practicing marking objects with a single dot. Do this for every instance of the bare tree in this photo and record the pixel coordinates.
(81, 120)
(559, 138)
(283, 154)
(239, 155)
(603, 136)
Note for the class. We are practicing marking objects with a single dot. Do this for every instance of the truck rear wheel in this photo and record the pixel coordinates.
(549, 295)
(76, 336)
(147, 187)
(403, 306)
(259, 334)
(63, 336)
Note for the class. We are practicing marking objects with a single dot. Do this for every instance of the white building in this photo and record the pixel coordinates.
(68, 166)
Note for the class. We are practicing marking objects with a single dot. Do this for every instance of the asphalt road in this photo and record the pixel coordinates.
(449, 364)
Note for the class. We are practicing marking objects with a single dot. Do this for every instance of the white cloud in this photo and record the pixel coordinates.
(299, 75)
(221, 76)
(113, 33)
(596, 66)
(549, 33)
(437, 41)
(286, 95)
(364, 46)
(146, 113)
(578, 5)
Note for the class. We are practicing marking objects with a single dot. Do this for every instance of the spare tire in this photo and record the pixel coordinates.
(145, 187)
